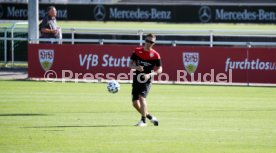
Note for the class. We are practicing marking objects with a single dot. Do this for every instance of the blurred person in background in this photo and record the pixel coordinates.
(48, 27)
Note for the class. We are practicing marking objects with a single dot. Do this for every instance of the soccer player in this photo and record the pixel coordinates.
(146, 62)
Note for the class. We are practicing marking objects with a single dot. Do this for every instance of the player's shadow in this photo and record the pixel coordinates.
(77, 126)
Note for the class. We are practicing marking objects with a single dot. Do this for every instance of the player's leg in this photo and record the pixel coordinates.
(136, 105)
(144, 111)
(135, 97)
(144, 106)
(143, 92)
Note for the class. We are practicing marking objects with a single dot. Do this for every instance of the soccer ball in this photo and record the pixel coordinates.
(113, 86)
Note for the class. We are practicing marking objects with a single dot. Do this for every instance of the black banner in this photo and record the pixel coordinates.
(149, 13)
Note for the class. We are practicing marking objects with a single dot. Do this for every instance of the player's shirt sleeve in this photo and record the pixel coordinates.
(44, 23)
(158, 63)
(133, 57)
(158, 60)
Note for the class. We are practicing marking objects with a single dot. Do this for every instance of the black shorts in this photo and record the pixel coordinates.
(140, 89)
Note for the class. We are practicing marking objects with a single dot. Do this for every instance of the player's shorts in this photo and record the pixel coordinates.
(140, 89)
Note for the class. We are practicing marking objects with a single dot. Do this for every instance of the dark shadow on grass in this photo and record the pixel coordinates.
(76, 126)
(23, 115)
(243, 110)
(216, 110)
(53, 130)
(100, 112)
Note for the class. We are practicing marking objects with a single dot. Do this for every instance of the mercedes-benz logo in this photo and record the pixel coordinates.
(205, 14)
(1, 11)
(99, 12)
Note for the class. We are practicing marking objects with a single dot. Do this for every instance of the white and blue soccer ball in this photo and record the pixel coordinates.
(113, 86)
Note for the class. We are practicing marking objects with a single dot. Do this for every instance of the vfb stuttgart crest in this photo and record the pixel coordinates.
(46, 58)
(190, 61)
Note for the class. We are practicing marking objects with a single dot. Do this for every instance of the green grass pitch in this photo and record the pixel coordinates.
(41, 117)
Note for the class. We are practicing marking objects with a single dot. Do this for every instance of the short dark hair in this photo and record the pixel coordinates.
(50, 7)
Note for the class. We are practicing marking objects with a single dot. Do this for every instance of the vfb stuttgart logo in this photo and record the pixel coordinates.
(190, 61)
(46, 58)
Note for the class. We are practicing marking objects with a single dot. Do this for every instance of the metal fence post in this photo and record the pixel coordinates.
(5, 47)
(12, 45)
(141, 32)
(101, 41)
(173, 43)
(73, 35)
(247, 56)
(249, 44)
(211, 38)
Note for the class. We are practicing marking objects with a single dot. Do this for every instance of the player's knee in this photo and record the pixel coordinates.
(141, 98)
(135, 103)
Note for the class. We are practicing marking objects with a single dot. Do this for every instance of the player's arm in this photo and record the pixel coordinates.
(44, 27)
(158, 70)
(132, 65)
(46, 30)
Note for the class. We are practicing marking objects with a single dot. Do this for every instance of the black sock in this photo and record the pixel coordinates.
(149, 116)
(143, 119)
